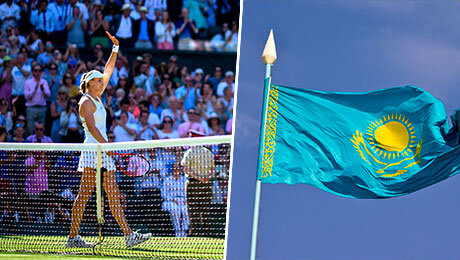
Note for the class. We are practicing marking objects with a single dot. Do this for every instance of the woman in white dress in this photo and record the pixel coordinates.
(93, 117)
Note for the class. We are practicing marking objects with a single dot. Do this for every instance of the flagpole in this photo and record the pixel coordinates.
(269, 58)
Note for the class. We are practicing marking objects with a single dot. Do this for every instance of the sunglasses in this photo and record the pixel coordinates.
(67, 78)
(19, 125)
(62, 93)
(167, 122)
(201, 102)
(111, 137)
(37, 70)
(2, 50)
(53, 68)
(38, 129)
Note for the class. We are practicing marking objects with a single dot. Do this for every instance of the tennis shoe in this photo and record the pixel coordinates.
(77, 241)
(136, 238)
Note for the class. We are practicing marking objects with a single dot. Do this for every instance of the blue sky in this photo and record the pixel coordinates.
(341, 45)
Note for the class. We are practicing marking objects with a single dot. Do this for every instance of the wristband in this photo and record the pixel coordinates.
(115, 48)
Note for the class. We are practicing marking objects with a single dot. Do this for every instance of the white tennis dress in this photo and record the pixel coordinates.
(88, 159)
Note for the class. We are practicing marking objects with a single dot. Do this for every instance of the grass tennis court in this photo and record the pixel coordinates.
(155, 248)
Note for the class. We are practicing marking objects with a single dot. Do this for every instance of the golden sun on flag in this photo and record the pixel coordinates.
(391, 136)
(390, 143)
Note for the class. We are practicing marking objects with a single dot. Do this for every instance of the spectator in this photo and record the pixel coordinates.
(43, 20)
(228, 127)
(71, 57)
(3, 53)
(76, 26)
(81, 6)
(187, 93)
(227, 99)
(198, 10)
(98, 28)
(172, 65)
(54, 79)
(201, 105)
(57, 107)
(191, 124)
(20, 72)
(166, 131)
(144, 31)
(36, 181)
(62, 66)
(6, 117)
(58, 9)
(123, 130)
(123, 27)
(69, 83)
(215, 125)
(13, 49)
(186, 28)
(220, 110)
(155, 6)
(173, 111)
(3, 137)
(148, 60)
(231, 43)
(216, 78)
(72, 130)
(9, 13)
(6, 80)
(208, 97)
(35, 91)
(109, 99)
(165, 31)
(98, 58)
(145, 131)
(33, 43)
(45, 57)
(228, 81)
(143, 80)
(22, 39)
(175, 200)
(124, 108)
(155, 104)
(218, 41)
(135, 14)
(198, 76)
(18, 134)
(39, 137)
(153, 119)
(165, 89)
(121, 69)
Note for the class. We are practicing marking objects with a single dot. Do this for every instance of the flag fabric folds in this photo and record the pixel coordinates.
(375, 144)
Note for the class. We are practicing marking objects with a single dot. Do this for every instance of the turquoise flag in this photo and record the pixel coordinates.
(376, 144)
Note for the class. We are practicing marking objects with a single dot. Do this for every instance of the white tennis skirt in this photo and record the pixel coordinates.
(88, 160)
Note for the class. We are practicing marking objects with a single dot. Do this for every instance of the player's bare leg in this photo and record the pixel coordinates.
(113, 195)
(88, 182)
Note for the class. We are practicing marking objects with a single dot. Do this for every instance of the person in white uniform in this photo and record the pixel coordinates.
(93, 117)
(174, 194)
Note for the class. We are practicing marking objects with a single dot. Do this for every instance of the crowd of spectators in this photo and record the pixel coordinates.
(41, 67)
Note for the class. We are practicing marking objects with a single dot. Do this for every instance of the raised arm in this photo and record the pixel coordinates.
(110, 65)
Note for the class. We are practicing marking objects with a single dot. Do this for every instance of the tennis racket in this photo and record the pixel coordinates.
(132, 164)
(200, 162)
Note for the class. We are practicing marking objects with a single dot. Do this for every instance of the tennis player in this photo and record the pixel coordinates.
(93, 117)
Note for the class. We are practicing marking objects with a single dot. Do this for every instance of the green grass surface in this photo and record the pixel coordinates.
(155, 248)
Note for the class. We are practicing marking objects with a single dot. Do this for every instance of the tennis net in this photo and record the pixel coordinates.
(181, 199)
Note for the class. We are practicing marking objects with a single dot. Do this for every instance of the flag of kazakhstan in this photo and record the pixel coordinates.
(376, 144)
